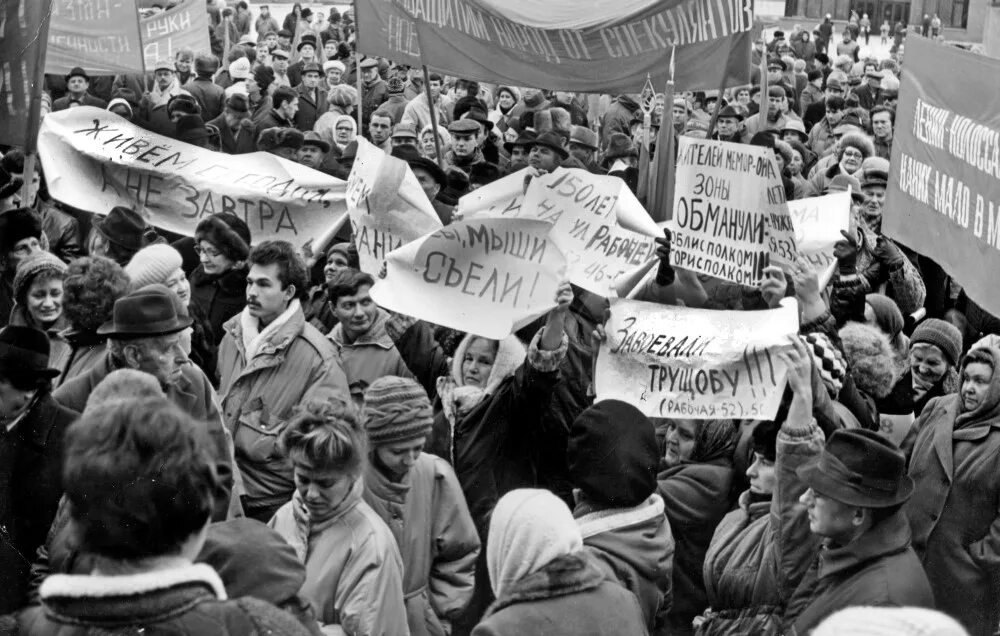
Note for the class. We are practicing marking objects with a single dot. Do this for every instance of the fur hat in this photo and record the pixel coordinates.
(396, 410)
(874, 172)
(153, 264)
(276, 137)
(860, 141)
(869, 358)
(613, 455)
(619, 145)
(228, 233)
(561, 121)
(783, 149)
(484, 173)
(944, 335)
(29, 268)
(17, 225)
(829, 361)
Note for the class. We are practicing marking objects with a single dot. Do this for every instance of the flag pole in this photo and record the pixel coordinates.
(661, 192)
(35, 104)
(357, 72)
(434, 122)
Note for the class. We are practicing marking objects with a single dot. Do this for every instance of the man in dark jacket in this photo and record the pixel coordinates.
(374, 90)
(312, 99)
(619, 118)
(284, 104)
(77, 83)
(32, 425)
(235, 126)
(208, 94)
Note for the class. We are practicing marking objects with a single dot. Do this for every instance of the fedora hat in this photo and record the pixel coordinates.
(551, 141)
(583, 136)
(314, 139)
(859, 468)
(413, 157)
(25, 352)
(144, 313)
(126, 228)
(526, 138)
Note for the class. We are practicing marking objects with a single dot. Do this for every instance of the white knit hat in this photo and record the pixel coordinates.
(889, 621)
(334, 64)
(153, 264)
(239, 69)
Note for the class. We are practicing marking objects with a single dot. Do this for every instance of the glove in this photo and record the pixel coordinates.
(665, 273)
(888, 253)
(846, 252)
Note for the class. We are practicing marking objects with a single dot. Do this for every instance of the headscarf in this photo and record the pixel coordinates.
(354, 130)
(443, 136)
(457, 399)
(988, 411)
(529, 528)
(716, 440)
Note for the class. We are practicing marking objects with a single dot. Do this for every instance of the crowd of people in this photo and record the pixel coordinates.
(213, 434)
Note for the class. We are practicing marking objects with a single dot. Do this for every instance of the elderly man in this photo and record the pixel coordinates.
(147, 334)
(77, 83)
(583, 148)
(313, 151)
(404, 135)
(235, 126)
(312, 98)
(546, 152)
(270, 361)
(374, 90)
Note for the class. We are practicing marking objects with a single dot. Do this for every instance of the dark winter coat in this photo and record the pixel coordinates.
(62, 230)
(219, 297)
(30, 488)
(209, 95)
(238, 143)
(955, 511)
(618, 118)
(567, 597)
(900, 400)
(309, 109)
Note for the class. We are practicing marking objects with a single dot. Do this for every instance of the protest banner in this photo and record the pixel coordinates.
(943, 198)
(387, 206)
(818, 222)
(584, 210)
(23, 27)
(95, 160)
(482, 276)
(183, 26)
(607, 48)
(679, 362)
(101, 36)
(730, 216)
(500, 199)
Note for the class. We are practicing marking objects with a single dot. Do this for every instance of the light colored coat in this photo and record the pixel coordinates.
(370, 357)
(437, 540)
(354, 574)
(294, 364)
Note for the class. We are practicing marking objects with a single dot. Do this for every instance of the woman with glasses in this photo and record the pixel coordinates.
(218, 284)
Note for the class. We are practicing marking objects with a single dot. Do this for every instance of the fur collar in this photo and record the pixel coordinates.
(612, 519)
(83, 586)
(564, 575)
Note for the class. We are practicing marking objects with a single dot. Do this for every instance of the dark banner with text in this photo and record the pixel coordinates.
(23, 26)
(476, 40)
(943, 198)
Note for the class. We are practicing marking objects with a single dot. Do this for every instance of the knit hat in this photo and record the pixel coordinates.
(887, 314)
(869, 358)
(944, 335)
(889, 621)
(228, 233)
(528, 529)
(829, 361)
(239, 69)
(29, 268)
(395, 86)
(613, 455)
(153, 264)
(331, 64)
(396, 410)
(17, 225)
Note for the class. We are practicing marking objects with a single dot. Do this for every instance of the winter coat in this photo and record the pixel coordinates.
(209, 95)
(635, 547)
(59, 347)
(187, 600)
(418, 113)
(905, 285)
(899, 409)
(373, 95)
(87, 100)
(354, 574)
(619, 118)
(437, 540)
(237, 143)
(955, 511)
(695, 498)
(309, 109)
(568, 597)
(370, 357)
(804, 49)
(30, 488)
(219, 297)
(294, 364)
(62, 229)
(86, 350)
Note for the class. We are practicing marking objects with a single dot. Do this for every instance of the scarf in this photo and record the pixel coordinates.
(988, 411)
(252, 338)
(307, 527)
(161, 97)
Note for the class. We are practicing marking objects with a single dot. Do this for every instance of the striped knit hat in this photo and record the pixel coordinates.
(396, 410)
(829, 361)
(29, 269)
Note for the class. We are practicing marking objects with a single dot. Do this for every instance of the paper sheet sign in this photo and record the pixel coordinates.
(481, 276)
(500, 199)
(818, 222)
(388, 208)
(730, 216)
(95, 160)
(695, 363)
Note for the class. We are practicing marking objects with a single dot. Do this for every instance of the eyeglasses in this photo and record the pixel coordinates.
(209, 252)
(851, 152)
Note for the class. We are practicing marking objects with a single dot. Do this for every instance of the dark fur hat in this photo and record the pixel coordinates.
(228, 233)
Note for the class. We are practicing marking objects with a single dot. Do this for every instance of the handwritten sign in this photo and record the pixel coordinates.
(695, 363)
(584, 210)
(95, 160)
(101, 36)
(730, 216)
(386, 204)
(818, 222)
(500, 199)
(183, 26)
(482, 276)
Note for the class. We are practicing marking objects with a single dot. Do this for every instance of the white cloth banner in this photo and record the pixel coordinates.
(730, 216)
(388, 208)
(695, 363)
(482, 276)
(95, 160)
(500, 199)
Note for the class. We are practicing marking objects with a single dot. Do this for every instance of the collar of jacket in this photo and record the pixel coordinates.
(611, 519)
(37, 422)
(272, 350)
(148, 597)
(565, 575)
(376, 335)
(384, 488)
(889, 537)
(233, 281)
(753, 509)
